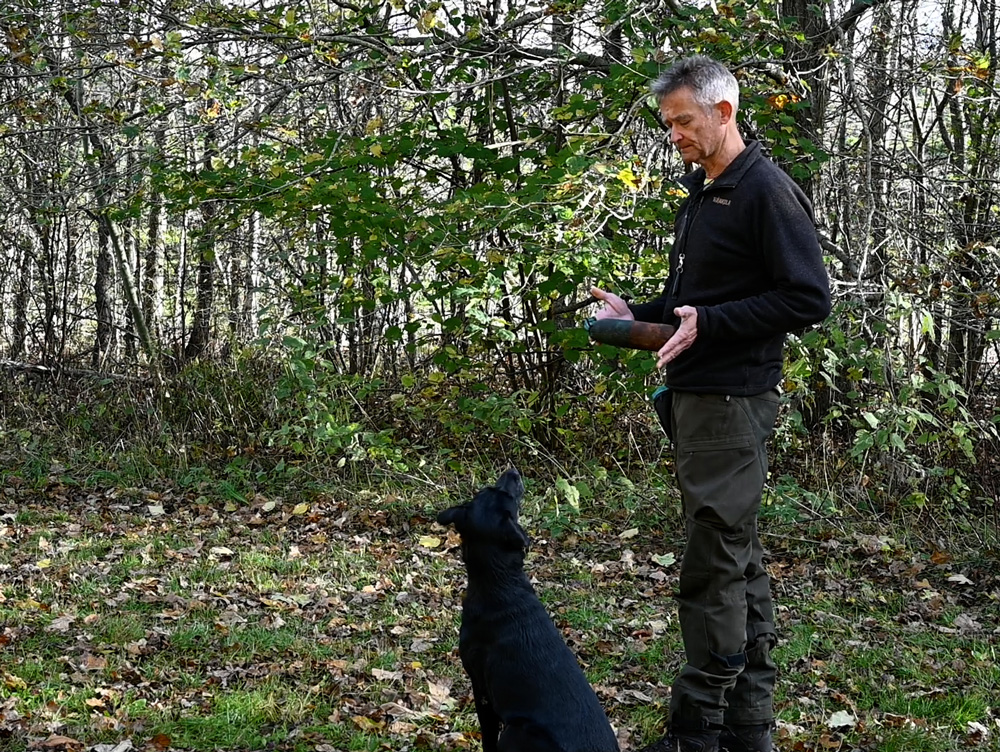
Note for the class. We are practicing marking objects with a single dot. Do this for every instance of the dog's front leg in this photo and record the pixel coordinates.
(489, 721)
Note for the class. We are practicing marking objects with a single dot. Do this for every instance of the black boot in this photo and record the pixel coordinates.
(683, 740)
(755, 738)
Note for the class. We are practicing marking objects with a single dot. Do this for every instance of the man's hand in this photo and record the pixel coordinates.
(614, 307)
(683, 338)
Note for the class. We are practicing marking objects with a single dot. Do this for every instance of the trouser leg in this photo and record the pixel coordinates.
(724, 593)
(751, 701)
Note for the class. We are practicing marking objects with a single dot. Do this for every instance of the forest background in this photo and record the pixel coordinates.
(275, 248)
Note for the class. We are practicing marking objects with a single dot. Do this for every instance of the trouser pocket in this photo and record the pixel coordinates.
(722, 456)
(663, 400)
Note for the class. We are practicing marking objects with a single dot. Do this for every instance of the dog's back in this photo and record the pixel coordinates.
(524, 677)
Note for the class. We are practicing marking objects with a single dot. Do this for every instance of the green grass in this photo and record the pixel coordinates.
(338, 627)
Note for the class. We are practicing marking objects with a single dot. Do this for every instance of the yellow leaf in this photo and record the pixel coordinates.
(427, 21)
(629, 179)
(14, 682)
(375, 150)
(778, 101)
(44, 564)
(301, 508)
(430, 541)
(366, 724)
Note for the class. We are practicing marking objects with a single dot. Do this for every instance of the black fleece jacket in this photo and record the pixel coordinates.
(746, 255)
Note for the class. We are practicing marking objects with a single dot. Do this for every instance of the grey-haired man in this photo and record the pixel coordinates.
(745, 269)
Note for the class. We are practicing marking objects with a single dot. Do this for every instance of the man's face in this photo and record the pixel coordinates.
(696, 132)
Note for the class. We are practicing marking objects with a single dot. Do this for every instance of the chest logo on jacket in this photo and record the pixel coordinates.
(723, 201)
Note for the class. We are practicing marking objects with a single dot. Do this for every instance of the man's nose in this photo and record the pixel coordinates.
(675, 135)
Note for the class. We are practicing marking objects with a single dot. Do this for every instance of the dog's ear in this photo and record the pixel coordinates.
(513, 535)
(454, 515)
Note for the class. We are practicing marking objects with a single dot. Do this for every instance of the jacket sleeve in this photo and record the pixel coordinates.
(784, 233)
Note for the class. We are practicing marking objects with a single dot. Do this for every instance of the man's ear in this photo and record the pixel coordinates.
(453, 515)
(725, 111)
(513, 535)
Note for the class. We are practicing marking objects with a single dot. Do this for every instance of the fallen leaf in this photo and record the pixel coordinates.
(124, 746)
(960, 579)
(93, 662)
(630, 533)
(977, 733)
(61, 624)
(966, 623)
(841, 719)
(56, 742)
(367, 724)
(439, 694)
(300, 508)
(429, 541)
(156, 510)
(13, 682)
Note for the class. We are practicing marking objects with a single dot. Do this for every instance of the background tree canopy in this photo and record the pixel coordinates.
(367, 230)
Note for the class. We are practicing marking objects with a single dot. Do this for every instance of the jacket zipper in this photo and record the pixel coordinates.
(682, 236)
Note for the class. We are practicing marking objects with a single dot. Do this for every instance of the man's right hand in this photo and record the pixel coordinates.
(614, 307)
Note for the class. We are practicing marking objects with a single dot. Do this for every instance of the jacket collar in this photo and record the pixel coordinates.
(694, 181)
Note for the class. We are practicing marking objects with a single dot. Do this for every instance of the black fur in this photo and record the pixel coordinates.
(530, 693)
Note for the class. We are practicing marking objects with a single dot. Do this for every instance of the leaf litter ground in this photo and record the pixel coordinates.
(161, 620)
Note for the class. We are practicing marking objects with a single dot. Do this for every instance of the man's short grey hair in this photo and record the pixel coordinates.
(708, 79)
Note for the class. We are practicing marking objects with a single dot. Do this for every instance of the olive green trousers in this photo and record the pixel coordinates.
(726, 613)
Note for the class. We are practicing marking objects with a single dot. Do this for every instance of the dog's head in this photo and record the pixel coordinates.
(491, 517)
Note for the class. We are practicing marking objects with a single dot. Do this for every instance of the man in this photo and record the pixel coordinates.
(745, 269)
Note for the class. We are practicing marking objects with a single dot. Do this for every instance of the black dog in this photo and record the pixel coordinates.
(530, 693)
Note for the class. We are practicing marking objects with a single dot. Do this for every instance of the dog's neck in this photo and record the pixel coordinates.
(495, 571)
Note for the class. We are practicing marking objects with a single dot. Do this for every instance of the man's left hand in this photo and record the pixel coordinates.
(683, 338)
